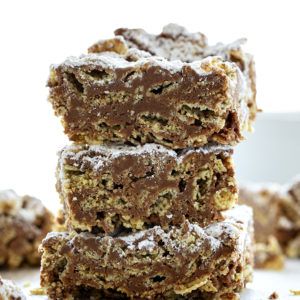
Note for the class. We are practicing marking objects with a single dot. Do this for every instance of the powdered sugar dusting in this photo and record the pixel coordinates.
(147, 244)
(235, 230)
(98, 156)
(10, 202)
(236, 226)
(25, 207)
(113, 61)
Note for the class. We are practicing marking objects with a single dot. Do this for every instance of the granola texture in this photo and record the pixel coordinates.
(276, 217)
(24, 222)
(187, 262)
(264, 199)
(176, 43)
(133, 97)
(289, 225)
(106, 188)
(9, 291)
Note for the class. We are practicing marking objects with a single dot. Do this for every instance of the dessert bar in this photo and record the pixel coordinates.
(176, 43)
(24, 222)
(276, 217)
(265, 201)
(106, 188)
(289, 224)
(137, 98)
(186, 262)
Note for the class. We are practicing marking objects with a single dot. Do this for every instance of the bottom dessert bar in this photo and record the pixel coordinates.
(187, 262)
(24, 222)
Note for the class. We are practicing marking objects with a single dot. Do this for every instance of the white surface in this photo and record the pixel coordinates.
(263, 285)
(36, 33)
(267, 282)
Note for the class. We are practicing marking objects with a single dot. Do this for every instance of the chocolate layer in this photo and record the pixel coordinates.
(24, 222)
(176, 43)
(105, 188)
(133, 97)
(152, 264)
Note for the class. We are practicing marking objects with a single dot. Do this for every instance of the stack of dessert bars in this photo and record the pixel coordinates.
(147, 188)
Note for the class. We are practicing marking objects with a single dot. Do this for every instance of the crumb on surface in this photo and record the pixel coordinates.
(38, 291)
(295, 292)
(274, 295)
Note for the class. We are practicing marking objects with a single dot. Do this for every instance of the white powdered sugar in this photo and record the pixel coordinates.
(142, 240)
(112, 61)
(237, 226)
(201, 232)
(6, 195)
(25, 207)
(147, 244)
(98, 156)
(235, 231)
(9, 290)
(10, 202)
(132, 238)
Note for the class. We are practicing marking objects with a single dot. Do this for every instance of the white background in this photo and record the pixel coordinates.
(35, 34)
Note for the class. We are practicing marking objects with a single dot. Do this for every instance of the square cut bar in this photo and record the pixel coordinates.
(276, 218)
(137, 98)
(24, 222)
(105, 188)
(176, 43)
(187, 262)
(265, 201)
(289, 225)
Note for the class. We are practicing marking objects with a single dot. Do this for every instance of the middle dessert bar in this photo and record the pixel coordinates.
(105, 188)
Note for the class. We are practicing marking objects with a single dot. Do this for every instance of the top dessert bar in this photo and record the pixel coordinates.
(176, 43)
(126, 95)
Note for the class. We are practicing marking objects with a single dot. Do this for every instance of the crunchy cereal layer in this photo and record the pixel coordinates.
(106, 188)
(176, 43)
(178, 263)
(132, 97)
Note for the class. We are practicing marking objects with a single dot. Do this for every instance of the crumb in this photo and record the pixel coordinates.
(38, 291)
(274, 295)
(295, 292)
